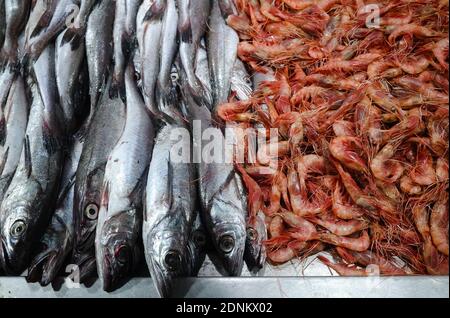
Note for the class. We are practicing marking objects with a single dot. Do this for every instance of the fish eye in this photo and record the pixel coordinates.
(199, 238)
(18, 228)
(248, 80)
(252, 234)
(174, 76)
(91, 211)
(122, 254)
(172, 260)
(226, 243)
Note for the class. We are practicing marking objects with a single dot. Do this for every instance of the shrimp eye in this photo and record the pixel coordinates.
(199, 238)
(172, 260)
(91, 211)
(18, 228)
(226, 243)
(122, 254)
(252, 234)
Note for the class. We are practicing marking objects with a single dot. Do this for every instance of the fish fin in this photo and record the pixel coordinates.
(74, 36)
(185, 31)
(76, 41)
(117, 89)
(136, 193)
(105, 194)
(3, 160)
(155, 12)
(27, 156)
(43, 22)
(51, 142)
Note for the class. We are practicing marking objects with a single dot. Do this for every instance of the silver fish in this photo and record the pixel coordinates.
(149, 49)
(99, 49)
(16, 13)
(6, 79)
(200, 9)
(222, 202)
(60, 18)
(26, 207)
(101, 136)
(169, 211)
(184, 22)
(40, 16)
(57, 242)
(68, 68)
(78, 27)
(125, 16)
(16, 110)
(169, 47)
(120, 218)
(241, 83)
(222, 54)
(202, 66)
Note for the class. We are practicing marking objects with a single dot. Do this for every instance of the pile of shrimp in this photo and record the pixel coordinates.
(362, 117)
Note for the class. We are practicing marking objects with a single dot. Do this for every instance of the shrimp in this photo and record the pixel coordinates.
(295, 122)
(420, 218)
(369, 258)
(389, 189)
(383, 98)
(309, 164)
(376, 68)
(342, 210)
(302, 229)
(298, 4)
(408, 186)
(343, 128)
(359, 244)
(359, 63)
(413, 65)
(271, 150)
(233, 111)
(423, 173)
(384, 167)
(343, 269)
(242, 25)
(438, 130)
(368, 121)
(435, 263)
(300, 202)
(276, 226)
(442, 170)
(411, 29)
(439, 226)
(440, 51)
(340, 227)
(254, 196)
(307, 93)
(347, 150)
(426, 89)
(281, 255)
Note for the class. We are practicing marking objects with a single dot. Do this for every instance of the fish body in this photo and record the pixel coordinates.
(26, 206)
(57, 242)
(170, 208)
(222, 54)
(69, 67)
(197, 27)
(16, 112)
(100, 138)
(241, 83)
(99, 49)
(118, 233)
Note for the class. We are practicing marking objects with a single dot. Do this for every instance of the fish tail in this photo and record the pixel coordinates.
(156, 11)
(117, 89)
(185, 31)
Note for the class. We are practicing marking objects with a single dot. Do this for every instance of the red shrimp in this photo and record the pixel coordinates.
(439, 226)
(423, 172)
(343, 128)
(341, 209)
(408, 186)
(343, 269)
(276, 226)
(442, 170)
(359, 244)
(347, 150)
(413, 29)
(340, 227)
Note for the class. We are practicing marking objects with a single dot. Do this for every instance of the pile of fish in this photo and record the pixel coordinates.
(90, 92)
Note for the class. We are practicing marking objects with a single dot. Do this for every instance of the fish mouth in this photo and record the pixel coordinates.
(44, 268)
(87, 265)
(162, 280)
(116, 268)
(10, 266)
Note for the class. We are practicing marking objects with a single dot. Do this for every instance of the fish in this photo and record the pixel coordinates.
(57, 242)
(16, 110)
(199, 9)
(69, 66)
(16, 13)
(118, 235)
(169, 210)
(26, 206)
(99, 50)
(184, 21)
(125, 16)
(99, 139)
(241, 84)
(78, 27)
(60, 18)
(222, 203)
(222, 54)
(39, 18)
(169, 48)
(149, 50)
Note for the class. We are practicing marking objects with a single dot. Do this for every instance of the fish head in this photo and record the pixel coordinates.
(17, 237)
(255, 252)
(166, 258)
(118, 250)
(87, 204)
